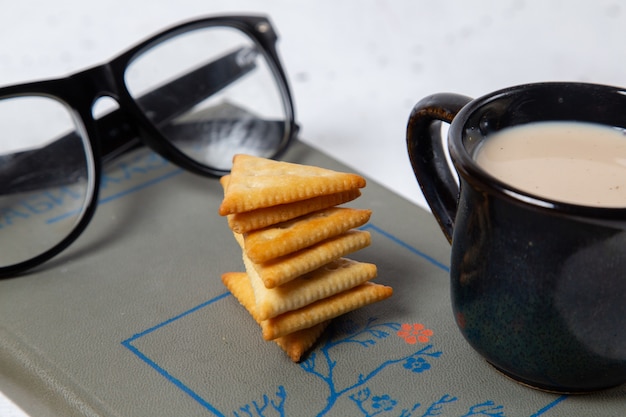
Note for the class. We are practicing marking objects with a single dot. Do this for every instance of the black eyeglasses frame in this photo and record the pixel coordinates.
(131, 127)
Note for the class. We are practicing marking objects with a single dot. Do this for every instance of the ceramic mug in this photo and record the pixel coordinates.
(538, 286)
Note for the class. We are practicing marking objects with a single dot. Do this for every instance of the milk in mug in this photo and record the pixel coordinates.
(572, 162)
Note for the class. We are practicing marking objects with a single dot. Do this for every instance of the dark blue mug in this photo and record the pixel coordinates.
(538, 286)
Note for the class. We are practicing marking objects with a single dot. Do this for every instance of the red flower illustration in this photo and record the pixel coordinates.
(413, 333)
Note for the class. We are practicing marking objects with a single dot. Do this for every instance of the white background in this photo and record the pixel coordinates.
(356, 67)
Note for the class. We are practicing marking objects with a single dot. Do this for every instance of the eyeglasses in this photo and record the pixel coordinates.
(196, 93)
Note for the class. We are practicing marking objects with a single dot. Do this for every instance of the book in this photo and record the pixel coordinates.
(133, 320)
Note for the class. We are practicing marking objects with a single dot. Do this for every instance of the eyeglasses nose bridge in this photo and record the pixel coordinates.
(95, 83)
(113, 126)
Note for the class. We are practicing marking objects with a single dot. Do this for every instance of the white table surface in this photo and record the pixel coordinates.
(356, 67)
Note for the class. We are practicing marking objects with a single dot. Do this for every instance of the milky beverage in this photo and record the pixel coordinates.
(572, 162)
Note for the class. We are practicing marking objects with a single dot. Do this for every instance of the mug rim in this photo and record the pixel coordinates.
(471, 172)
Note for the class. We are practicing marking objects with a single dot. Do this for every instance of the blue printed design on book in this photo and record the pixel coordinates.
(363, 390)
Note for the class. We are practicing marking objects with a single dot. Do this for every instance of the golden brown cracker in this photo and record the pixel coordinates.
(263, 217)
(286, 268)
(257, 182)
(284, 238)
(239, 286)
(325, 309)
(335, 277)
(224, 180)
(239, 239)
(294, 344)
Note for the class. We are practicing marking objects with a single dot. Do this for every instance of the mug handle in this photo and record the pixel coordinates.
(428, 158)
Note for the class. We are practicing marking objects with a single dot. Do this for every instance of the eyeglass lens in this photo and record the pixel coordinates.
(244, 111)
(45, 166)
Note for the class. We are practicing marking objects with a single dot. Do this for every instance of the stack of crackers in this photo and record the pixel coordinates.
(294, 238)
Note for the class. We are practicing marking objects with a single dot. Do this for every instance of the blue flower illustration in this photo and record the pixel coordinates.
(417, 365)
(383, 402)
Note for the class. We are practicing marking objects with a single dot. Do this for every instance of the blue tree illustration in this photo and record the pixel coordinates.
(372, 405)
(321, 364)
(261, 409)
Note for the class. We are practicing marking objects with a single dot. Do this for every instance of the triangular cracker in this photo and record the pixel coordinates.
(284, 238)
(257, 182)
(323, 310)
(295, 344)
(286, 268)
(224, 180)
(268, 216)
(333, 278)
